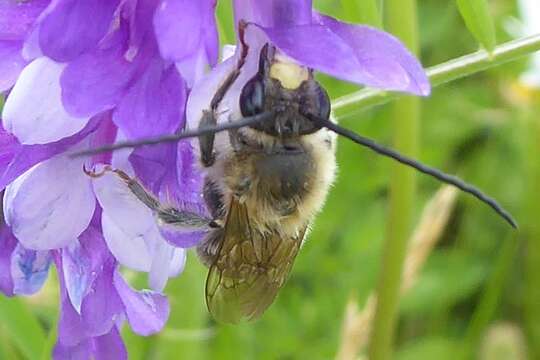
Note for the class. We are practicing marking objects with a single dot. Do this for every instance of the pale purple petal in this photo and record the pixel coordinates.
(183, 27)
(11, 63)
(110, 346)
(159, 271)
(178, 262)
(102, 306)
(66, 31)
(18, 17)
(130, 251)
(194, 67)
(15, 158)
(97, 80)
(29, 270)
(202, 92)
(7, 246)
(77, 268)
(168, 261)
(154, 105)
(273, 13)
(129, 227)
(355, 53)
(146, 311)
(37, 204)
(33, 111)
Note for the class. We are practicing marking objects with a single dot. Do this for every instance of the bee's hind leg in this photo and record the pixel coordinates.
(165, 214)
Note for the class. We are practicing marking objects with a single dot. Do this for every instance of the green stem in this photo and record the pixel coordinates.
(446, 72)
(400, 17)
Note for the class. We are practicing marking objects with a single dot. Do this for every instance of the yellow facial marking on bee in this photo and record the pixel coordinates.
(289, 74)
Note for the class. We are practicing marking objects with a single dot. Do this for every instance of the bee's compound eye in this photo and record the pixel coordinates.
(252, 97)
(324, 104)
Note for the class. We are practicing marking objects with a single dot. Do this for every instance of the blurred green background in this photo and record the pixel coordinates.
(479, 288)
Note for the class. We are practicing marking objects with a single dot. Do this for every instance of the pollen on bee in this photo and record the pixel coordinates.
(288, 73)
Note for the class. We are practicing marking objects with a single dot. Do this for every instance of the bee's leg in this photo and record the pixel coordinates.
(206, 142)
(164, 213)
(209, 118)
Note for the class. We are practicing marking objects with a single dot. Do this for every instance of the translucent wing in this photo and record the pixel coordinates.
(249, 270)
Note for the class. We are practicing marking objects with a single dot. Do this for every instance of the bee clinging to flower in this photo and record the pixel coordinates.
(266, 144)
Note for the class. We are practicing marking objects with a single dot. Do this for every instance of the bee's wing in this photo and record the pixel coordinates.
(249, 270)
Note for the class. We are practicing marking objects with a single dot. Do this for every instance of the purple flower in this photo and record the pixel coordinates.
(76, 84)
(355, 53)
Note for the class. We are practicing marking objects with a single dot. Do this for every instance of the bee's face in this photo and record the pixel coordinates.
(289, 91)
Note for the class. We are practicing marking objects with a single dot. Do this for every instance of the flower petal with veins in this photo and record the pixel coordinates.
(33, 111)
(37, 204)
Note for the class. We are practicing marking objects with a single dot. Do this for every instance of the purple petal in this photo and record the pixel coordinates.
(15, 158)
(17, 17)
(183, 238)
(193, 67)
(110, 346)
(105, 135)
(50, 205)
(96, 81)
(29, 270)
(71, 330)
(353, 52)
(65, 31)
(7, 245)
(81, 351)
(139, 14)
(146, 311)
(11, 63)
(154, 105)
(102, 306)
(77, 268)
(170, 171)
(273, 13)
(183, 27)
(33, 111)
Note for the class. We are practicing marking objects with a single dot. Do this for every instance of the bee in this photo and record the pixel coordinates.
(265, 181)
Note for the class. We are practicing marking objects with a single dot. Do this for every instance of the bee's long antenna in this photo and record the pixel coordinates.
(449, 179)
(246, 121)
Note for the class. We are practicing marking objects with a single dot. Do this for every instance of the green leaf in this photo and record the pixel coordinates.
(362, 12)
(476, 15)
(22, 327)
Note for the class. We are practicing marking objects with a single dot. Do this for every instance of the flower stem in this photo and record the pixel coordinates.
(400, 18)
(446, 72)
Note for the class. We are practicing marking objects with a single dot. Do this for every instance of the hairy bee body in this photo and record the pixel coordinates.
(263, 186)
(282, 185)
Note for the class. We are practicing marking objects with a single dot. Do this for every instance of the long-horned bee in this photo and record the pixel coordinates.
(265, 182)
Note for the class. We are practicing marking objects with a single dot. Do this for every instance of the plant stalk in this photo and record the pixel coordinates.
(401, 20)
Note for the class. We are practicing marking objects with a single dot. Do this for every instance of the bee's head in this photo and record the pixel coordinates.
(289, 91)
